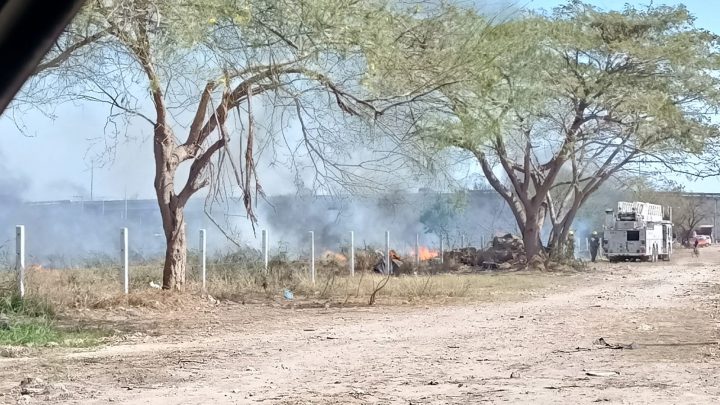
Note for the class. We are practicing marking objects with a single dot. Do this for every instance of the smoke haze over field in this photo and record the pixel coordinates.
(71, 234)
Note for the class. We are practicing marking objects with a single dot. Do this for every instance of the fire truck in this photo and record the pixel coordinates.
(638, 231)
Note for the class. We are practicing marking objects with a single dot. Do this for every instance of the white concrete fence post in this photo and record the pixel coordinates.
(203, 257)
(124, 256)
(20, 257)
(442, 250)
(265, 249)
(417, 249)
(388, 260)
(352, 254)
(312, 256)
(462, 241)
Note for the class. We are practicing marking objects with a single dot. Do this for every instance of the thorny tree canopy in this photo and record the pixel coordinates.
(307, 57)
(574, 97)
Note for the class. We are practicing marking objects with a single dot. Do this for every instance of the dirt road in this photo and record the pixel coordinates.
(538, 350)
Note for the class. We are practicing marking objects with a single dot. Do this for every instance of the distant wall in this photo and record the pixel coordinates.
(68, 233)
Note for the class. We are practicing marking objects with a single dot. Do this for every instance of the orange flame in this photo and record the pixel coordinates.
(426, 253)
(330, 256)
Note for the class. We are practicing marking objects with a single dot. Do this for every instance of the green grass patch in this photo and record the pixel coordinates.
(43, 332)
(30, 322)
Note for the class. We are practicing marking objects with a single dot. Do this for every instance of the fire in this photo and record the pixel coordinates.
(426, 253)
(330, 256)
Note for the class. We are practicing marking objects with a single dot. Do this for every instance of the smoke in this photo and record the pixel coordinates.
(331, 219)
(12, 186)
(79, 233)
(12, 189)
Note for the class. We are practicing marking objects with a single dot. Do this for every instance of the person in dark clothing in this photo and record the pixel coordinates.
(594, 246)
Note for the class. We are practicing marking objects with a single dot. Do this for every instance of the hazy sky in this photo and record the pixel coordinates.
(53, 163)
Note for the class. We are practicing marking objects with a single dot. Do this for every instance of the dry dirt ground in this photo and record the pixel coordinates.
(536, 349)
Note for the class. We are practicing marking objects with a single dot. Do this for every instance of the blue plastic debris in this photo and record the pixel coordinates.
(288, 295)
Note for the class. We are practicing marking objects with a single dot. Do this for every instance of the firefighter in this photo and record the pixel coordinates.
(570, 246)
(594, 246)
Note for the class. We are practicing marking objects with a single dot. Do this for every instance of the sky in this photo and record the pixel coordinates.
(52, 157)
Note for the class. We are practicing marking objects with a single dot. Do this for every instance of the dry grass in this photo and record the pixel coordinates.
(102, 287)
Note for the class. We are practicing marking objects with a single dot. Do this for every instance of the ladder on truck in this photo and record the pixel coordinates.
(649, 212)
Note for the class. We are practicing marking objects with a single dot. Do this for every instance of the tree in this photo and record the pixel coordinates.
(688, 211)
(581, 96)
(688, 214)
(224, 57)
(440, 216)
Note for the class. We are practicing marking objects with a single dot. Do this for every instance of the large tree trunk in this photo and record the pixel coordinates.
(171, 209)
(176, 250)
(531, 236)
(535, 253)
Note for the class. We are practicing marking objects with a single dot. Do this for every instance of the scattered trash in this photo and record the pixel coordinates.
(30, 386)
(602, 373)
(515, 374)
(288, 295)
(618, 346)
(576, 350)
(155, 285)
(433, 383)
(560, 387)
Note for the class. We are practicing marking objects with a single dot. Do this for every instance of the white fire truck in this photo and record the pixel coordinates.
(638, 230)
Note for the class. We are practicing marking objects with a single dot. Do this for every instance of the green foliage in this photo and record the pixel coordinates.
(648, 68)
(439, 217)
(209, 39)
(648, 73)
(567, 99)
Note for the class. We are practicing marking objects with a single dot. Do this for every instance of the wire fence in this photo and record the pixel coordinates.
(132, 265)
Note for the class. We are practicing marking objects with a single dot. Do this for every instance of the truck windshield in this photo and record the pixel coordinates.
(633, 236)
